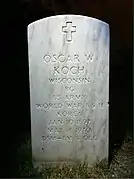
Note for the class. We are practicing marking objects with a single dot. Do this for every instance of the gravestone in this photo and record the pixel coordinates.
(69, 89)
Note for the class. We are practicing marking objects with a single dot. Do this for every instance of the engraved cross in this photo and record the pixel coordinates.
(68, 29)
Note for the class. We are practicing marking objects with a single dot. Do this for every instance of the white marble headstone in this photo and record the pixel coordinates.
(69, 89)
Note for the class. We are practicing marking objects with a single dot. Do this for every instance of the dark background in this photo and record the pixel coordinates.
(15, 97)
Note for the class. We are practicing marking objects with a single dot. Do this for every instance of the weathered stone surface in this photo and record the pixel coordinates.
(69, 88)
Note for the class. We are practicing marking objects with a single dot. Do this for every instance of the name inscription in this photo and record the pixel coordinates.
(66, 69)
(66, 58)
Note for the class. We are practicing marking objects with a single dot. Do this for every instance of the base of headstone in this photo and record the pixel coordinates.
(39, 166)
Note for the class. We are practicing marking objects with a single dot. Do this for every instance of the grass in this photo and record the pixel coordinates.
(121, 166)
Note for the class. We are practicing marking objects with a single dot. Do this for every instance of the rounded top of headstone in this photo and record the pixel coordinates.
(69, 15)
